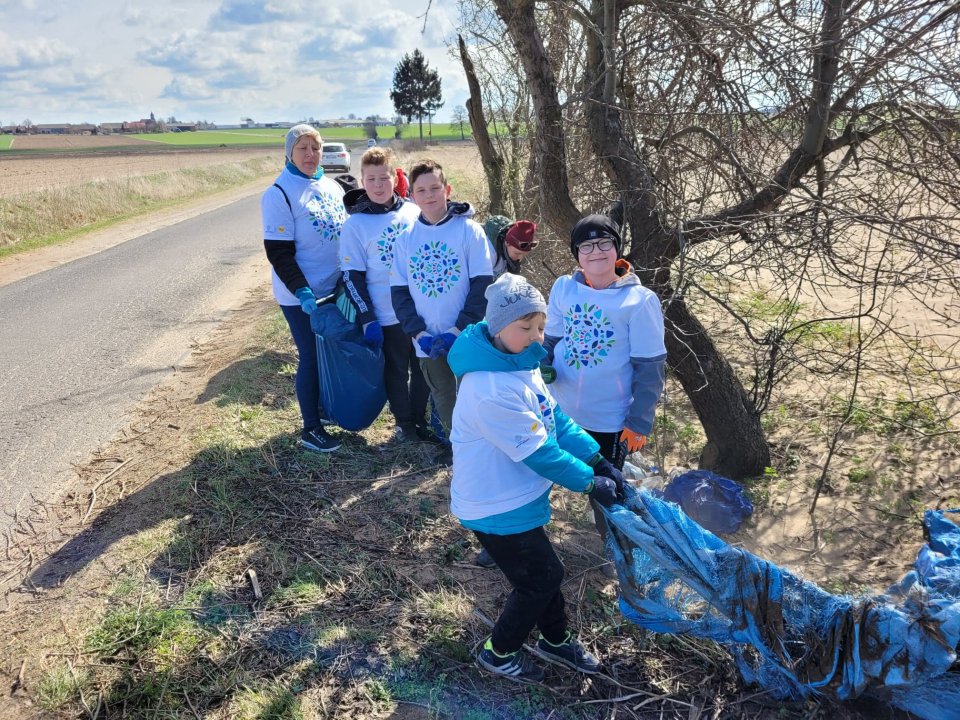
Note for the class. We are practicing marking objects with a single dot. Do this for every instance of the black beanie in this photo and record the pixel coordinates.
(593, 227)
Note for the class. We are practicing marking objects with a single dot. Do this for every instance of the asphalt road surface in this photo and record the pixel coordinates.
(82, 343)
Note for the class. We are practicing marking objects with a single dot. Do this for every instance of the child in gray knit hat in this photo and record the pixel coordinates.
(511, 444)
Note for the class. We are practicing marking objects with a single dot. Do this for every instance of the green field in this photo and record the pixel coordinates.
(266, 136)
(274, 136)
(5, 141)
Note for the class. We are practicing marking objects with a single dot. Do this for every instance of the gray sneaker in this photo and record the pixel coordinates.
(570, 652)
(485, 559)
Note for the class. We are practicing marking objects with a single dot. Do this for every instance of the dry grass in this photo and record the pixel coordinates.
(365, 603)
(232, 575)
(47, 216)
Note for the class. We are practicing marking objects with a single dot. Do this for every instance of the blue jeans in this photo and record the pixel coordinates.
(307, 381)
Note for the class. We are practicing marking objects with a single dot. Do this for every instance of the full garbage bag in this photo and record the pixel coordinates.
(713, 501)
(352, 393)
(788, 635)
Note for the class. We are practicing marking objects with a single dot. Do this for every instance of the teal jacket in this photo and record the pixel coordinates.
(565, 460)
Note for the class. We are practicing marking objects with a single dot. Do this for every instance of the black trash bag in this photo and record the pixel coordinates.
(351, 371)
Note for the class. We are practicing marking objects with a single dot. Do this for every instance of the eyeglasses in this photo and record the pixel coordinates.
(602, 245)
(525, 246)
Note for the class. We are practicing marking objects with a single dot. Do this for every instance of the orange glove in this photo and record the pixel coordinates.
(634, 441)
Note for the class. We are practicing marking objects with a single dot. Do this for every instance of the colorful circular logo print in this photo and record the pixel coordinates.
(327, 215)
(435, 269)
(589, 336)
(385, 243)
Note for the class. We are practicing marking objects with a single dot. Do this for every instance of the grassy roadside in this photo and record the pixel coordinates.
(248, 579)
(51, 216)
(231, 575)
(239, 577)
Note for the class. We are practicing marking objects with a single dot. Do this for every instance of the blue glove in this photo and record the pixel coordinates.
(426, 344)
(373, 334)
(604, 468)
(604, 491)
(441, 345)
(308, 301)
(548, 373)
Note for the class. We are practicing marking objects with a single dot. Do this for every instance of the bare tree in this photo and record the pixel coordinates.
(501, 101)
(801, 151)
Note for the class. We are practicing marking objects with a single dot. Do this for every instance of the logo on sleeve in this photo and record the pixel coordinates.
(546, 413)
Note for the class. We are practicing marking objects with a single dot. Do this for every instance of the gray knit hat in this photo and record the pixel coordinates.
(295, 133)
(509, 298)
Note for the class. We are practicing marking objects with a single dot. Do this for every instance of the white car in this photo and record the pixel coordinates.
(335, 156)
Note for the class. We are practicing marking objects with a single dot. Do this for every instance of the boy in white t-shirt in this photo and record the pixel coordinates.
(378, 215)
(441, 267)
(511, 443)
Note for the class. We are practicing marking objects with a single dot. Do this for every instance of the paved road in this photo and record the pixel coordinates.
(83, 342)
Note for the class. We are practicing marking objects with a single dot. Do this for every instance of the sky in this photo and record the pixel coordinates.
(216, 60)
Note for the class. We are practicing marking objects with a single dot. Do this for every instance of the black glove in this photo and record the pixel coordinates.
(605, 469)
(604, 491)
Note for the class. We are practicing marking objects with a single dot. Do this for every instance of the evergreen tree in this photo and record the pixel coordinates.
(416, 88)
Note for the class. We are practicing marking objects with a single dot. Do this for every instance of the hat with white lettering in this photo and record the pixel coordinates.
(509, 298)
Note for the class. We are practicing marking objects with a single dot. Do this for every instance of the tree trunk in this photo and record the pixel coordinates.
(556, 207)
(492, 162)
(735, 445)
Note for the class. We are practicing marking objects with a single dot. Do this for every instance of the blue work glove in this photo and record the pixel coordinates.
(426, 344)
(604, 468)
(308, 301)
(548, 373)
(441, 345)
(373, 334)
(604, 491)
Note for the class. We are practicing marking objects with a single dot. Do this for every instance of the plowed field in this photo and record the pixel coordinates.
(29, 173)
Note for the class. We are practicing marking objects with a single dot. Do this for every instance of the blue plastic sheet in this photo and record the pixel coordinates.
(712, 501)
(788, 635)
(351, 372)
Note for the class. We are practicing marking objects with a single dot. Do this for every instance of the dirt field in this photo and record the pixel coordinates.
(20, 174)
(74, 142)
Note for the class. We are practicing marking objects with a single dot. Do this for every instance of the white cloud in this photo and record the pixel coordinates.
(219, 59)
(16, 55)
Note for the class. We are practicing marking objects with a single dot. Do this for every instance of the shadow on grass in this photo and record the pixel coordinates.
(254, 380)
(265, 571)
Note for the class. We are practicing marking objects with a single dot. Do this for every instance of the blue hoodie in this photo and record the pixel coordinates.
(562, 458)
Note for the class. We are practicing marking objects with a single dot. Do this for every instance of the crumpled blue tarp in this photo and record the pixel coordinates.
(788, 635)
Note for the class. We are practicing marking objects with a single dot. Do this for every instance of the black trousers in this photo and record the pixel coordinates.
(536, 574)
(407, 390)
(610, 447)
(615, 452)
